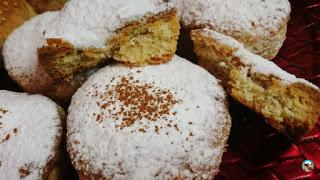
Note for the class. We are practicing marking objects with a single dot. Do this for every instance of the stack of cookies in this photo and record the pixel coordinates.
(135, 109)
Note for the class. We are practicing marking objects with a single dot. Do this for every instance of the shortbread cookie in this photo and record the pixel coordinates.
(289, 104)
(258, 24)
(26, 71)
(30, 135)
(58, 46)
(167, 121)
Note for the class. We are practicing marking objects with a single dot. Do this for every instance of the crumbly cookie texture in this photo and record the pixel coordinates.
(151, 122)
(289, 104)
(259, 24)
(26, 70)
(151, 41)
(30, 135)
(58, 46)
(41, 6)
(12, 15)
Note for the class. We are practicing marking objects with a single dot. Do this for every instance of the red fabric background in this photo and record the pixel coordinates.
(256, 150)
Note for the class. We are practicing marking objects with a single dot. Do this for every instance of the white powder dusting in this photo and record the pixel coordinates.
(20, 50)
(98, 146)
(257, 64)
(89, 23)
(29, 128)
(84, 23)
(253, 18)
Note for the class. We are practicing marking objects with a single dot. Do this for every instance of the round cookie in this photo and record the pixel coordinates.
(22, 65)
(47, 54)
(30, 135)
(155, 122)
(289, 104)
(259, 24)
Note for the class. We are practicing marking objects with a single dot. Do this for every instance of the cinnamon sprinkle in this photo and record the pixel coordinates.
(156, 129)
(138, 101)
(2, 112)
(26, 170)
(7, 137)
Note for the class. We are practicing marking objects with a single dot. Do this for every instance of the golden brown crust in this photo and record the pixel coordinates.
(41, 6)
(122, 49)
(267, 45)
(62, 61)
(12, 15)
(292, 109)
(61, 93)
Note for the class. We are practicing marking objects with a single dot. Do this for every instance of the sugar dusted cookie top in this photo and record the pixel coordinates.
(20, 50)
(257, 64)
(89, 23)
(83, 23)
(160, 121)
(30, 131)
(236, 17)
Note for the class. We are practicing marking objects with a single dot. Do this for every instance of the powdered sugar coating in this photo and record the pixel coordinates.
(84, 23)
(188, 141)
(20, 51)
(90, 23)
(30, 128)
(239, 18)
(256, 63)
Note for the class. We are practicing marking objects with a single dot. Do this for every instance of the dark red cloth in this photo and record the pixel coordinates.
(256, 150)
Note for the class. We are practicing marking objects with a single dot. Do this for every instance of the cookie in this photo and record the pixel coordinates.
(260, 25)
(289, 104)
(155, 122)
(30, 136)
(57, 47)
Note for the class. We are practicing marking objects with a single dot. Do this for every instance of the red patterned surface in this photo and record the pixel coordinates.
(256, 150)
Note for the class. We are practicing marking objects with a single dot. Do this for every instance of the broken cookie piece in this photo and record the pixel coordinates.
(55, 52)
(289, 104)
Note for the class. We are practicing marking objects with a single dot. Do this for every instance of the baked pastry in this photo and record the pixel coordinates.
(152, 122)
(47, 5)
(289, 104)
(58, 46)
(26, 71)
(258, 24)
(12, 15)
(30, 135)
